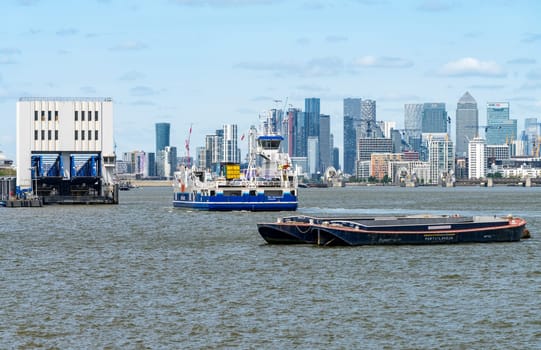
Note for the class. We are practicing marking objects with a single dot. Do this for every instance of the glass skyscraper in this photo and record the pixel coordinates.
(434, 118)
(352, 120)
(368, 118)
(413, 118)
(500, 129)
(162, 136)
(467, 123)
(324, 142)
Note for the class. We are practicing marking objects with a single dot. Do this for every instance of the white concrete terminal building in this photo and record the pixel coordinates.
(65, 148)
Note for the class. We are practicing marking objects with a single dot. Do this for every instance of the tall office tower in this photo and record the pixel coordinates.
(441, 158)
(336, 158)
(324, 142)
(352, 120)
(467, 123)
(313, 155)
(162, 136)
(213, 152)
(531, 128)
(413, 119)
(301, 134)
(434, 118)
(290, 135)
(230, 152)
(151, 164)
(368, 119)
(477, 158)
(312, 110)
(500, 129)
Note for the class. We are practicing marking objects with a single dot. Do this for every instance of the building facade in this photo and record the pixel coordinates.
(467, 123)
(500, 129)
(352, 120)
(434, 118)
(163, 131)
(477, 158)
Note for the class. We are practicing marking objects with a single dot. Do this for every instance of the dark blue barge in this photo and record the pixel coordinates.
(415, 229)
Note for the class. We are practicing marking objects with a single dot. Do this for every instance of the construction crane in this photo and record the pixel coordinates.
(188, 146)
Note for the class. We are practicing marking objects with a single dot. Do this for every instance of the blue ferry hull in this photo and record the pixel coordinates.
(286, 202)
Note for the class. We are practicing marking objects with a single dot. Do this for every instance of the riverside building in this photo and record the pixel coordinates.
(65, 149)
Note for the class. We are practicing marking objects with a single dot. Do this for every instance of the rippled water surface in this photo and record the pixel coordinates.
(143, 275)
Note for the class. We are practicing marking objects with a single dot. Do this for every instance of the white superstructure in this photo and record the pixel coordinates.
(64, 127)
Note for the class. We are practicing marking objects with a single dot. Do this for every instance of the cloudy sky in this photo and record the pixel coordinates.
(210, 62)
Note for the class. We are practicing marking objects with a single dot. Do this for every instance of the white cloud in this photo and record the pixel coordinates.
(383, 62)
(469, 66)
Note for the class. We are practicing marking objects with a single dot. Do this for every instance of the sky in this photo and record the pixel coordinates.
(205, 63)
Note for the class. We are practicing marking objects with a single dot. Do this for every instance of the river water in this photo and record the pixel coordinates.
(142, 275)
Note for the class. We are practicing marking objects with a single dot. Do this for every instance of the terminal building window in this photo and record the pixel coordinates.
(56, 115)
(96, 115)
(35, 115)
(35, 134)
(76, 135)
(76, 115)
(43, 134)
(96, 134)
(49, 115)
(89, 115)
(56, 134)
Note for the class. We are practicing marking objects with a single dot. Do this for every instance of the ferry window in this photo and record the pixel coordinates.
(43, 134)
(89, 115)
(76, 135)
(35, 115)
(56, 134)
(48, 134)
(90, 134)
(96, 134)
(76, 115)
(83, 116)
(55, 115)
(35, 134)
(49, 115)
(96, 115)
(82, 134)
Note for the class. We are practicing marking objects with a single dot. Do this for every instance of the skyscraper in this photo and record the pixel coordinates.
(413, 119)
(162, 136)
(324, 142)
(467, 123)
(477, 158)
(230, 153)
(434, 118)
(352, 120)
(531, 128)
(500, 129)
(312, 110)
(312, 113)
(368, 118)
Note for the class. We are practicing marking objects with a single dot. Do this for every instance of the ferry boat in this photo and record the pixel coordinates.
(415, 229)
(268, 184)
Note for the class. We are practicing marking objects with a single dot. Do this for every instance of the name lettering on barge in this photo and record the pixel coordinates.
(440, 237)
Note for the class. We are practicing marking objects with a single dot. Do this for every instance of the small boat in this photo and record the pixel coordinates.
(413, 229)
(268, 184)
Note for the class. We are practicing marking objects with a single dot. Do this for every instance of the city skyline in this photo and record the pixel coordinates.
(173, 62)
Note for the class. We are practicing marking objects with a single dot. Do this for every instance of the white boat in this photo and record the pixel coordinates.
(269, 183)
